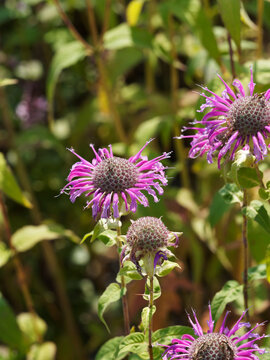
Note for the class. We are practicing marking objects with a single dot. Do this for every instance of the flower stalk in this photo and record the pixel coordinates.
(245, 250)
(150, 322)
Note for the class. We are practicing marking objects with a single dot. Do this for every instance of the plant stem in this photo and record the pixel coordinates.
(150, 324)
(104, 76)
(245, 250)
(20, 272)
(48, 251)
(123, 287)
(231, 56)
(174, 94)
(260, 7)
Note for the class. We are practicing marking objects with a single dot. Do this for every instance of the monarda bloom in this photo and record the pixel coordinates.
(147, 239)
(216, 345)
(112, 181)
(236, 119)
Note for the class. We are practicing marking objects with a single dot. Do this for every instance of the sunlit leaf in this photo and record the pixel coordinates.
(257, 272)
(135, 343)
(45, 351)
(5, 254)
(166, 268)
(268, 263)
(145, 317)
(257, 211)
(230, 13)
(218, 208)
(112, 294)
(32, 326)
(134, 9)
(6, 82)
(231, 291)
(247, 177)
(109, 350)
(231, 194)
(129, 270)
(156, 289)
(9, 185)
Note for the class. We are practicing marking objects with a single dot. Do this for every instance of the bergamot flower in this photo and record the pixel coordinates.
(147, 239)
(222, 344)
(236, 119)
(113, 181)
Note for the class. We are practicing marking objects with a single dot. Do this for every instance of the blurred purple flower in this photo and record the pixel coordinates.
(237, 120)
(113, 181)
(148, 239)
(216, 345)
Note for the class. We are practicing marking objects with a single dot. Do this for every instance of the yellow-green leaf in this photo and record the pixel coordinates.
(134, 9)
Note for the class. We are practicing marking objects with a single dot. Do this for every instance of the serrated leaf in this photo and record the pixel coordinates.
(66, 56)
(166, 268)
(5, 254)
(112, 293)
(218, 208)
(230, 292)
(45, 351)
(135, 343)
(247, 177)
(134, 9)
(231, 194)
(257, 211)
(129, 270)
(257, 272)
(10, 333)
(9, 185)
(28, 236)
(230, 13)
(123, 36)
(109, 350)
(32, 326)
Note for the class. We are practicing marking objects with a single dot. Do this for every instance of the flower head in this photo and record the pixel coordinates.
(236, 119)
(216, 345)
(147, 239)
(113, 181)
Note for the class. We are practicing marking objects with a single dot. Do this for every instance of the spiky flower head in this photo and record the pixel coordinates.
(236, 119)
(115, 182)
(147, 239)
(223, 344)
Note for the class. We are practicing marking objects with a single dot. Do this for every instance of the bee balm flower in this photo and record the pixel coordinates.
(112, 181)
(216, 345)
(148, 239)
(236, 119)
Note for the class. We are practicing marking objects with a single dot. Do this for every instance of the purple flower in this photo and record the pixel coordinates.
(216, 345)
(114, 182)
(236, 119)
(147, 239)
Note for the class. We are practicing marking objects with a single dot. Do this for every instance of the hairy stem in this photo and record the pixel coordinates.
(174, 80)
(245, 250)
(20, 272)
(123, 286)
(150, 323)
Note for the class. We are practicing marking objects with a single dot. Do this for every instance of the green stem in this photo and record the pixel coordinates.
(123, 287)
(245, 250)
(150, 323)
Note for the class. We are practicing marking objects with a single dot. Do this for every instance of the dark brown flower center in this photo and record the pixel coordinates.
(147, 234)
(212, 346)
(115, 174)
(249, 114)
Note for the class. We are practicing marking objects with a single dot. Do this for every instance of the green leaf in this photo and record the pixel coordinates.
(166, 268)
(28, 236)
(129, 270)
(230, 292)
(10, 332)
(108, 237)
(165, 336)
(109, 350)
(66, 56)
(257, 211)
(45, 351)
(268, 263)
(206, 35)
(5, 254)
(32, 326)
(6, 82)
(218, 208)
(247, 177)
(9, 185)
(123, 36)
(112, 293)
(257, 272)
(156, 289)
(135, 343)
(134, 9)
(230, 13)
(231, 194)
(145, 317)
